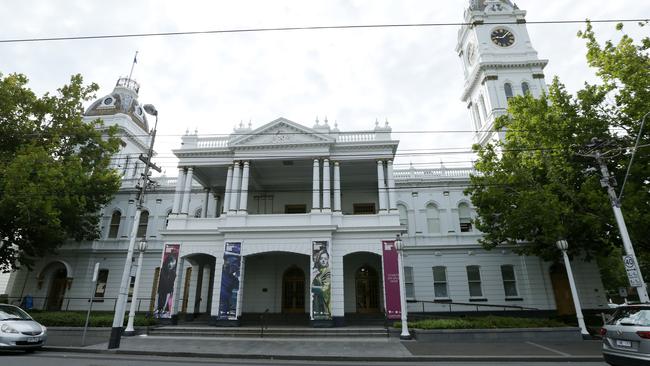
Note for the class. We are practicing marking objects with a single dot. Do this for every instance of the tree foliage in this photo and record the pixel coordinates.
(536, 185)
(54, 169)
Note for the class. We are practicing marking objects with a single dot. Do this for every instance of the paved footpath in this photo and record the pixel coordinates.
(351, 349)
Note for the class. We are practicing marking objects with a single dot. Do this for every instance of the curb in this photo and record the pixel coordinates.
(519, 358)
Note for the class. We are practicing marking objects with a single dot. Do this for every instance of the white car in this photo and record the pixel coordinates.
(18, 331)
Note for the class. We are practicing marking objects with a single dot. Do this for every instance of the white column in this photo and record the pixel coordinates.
(180, 272)
(234, 192)
(392, 204)
(337, 298)
(337, 187)
(206, 201)
(226, 194)
(315, 207)
(243, 195)
(213, 208)
(326, 186)
(381, 185)
(188, 191)
(180, 182)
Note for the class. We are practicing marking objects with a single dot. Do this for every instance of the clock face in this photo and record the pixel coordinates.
(502, 37)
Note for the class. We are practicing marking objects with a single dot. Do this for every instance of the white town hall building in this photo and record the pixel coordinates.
(296, 216)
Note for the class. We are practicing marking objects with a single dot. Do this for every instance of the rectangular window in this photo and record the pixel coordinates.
(363, 209)
(100, 286)
(131, 286)
(474, 281)
(509, 280)
(465, 225)
(440, 282)
(408, 283)
(264, 204)
(295, 209)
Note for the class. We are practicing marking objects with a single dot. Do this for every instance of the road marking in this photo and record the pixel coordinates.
(549, 349)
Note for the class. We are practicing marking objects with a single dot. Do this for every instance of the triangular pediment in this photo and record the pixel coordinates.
(282, 132)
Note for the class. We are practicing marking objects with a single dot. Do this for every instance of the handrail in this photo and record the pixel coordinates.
(477, 305)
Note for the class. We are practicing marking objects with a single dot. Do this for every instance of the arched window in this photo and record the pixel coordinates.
(114, 227)
(507, 87)
(465, 216)
(403, 215)
(433, 219)
(477, 116)
(481, 101)
(525, 88)
(142, 225)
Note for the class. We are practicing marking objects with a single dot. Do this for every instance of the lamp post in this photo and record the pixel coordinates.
(405, 335)
(130, 331)
(120, 305)
(563, 246)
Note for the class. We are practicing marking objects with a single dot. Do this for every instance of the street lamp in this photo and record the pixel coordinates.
(120, 304)
(130, 331)
(405, 335)
(563, 246)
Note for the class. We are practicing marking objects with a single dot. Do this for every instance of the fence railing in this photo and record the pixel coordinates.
(78, 303)
(430, 306)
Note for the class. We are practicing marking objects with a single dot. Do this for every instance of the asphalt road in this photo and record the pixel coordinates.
(79, 359)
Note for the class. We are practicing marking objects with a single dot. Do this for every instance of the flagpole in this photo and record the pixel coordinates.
(135, 61)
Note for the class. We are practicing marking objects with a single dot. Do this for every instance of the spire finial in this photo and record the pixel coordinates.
(325, 120)
(376, 122)
(386, 121)
(317, 121)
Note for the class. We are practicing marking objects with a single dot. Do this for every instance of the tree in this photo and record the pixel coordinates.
(536, 185)
(54, 170)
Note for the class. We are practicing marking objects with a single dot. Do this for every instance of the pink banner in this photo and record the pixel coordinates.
(391, 280)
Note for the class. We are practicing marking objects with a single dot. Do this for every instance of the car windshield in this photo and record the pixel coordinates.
(631, 316)
(13, 313)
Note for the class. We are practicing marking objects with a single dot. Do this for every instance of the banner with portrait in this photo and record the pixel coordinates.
(230, 280)
(321, 281)
(165, 293)
(391, 280)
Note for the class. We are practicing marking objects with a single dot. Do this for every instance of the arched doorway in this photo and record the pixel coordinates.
(57, 289)
(293, 291)
(367, 290)
(561, 290)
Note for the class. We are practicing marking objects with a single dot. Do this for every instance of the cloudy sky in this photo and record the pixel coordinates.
(410, 76)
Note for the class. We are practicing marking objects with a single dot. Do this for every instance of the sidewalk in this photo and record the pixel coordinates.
(348, 349)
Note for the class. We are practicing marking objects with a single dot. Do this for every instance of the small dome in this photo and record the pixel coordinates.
(123, 99)
(481, 4)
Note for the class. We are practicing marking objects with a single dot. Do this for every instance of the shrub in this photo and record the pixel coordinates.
(78, 319)
(487, 322)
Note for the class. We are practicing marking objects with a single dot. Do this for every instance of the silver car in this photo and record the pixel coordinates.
(626, 337)
(19, 331)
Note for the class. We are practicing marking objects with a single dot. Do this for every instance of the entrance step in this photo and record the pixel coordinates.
(271, 332)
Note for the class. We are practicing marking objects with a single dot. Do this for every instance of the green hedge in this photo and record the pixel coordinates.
(487, 322)
(78, 319)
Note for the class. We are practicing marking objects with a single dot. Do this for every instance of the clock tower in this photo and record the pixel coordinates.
(499, 62)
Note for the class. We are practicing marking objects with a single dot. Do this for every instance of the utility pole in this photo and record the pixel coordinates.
(120, 306)
(631, 264)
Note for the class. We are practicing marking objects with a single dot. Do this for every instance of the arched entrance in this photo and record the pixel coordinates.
(293, 291)
(58, 285)
(367, 290)
(561, 290)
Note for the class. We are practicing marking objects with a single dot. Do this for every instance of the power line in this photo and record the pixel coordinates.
(306, 28)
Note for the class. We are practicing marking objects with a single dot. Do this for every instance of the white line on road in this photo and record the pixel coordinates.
(549, 349)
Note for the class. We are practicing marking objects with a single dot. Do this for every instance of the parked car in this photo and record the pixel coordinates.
(626, 336)
(19, 331)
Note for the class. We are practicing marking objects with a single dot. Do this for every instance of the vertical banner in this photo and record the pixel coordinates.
(165, 294)
(391, 280)
(321, 283)
(230, 275)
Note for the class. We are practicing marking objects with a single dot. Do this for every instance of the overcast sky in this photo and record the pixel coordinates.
(410, 76)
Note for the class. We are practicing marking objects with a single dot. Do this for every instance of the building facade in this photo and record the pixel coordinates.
(295, 221)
